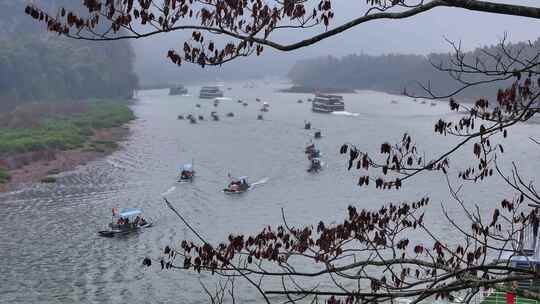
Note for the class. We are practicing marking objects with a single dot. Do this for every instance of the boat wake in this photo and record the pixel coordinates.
(260, 182)
(114, 164)
(223, 98)
(345, 113)
(169, 191)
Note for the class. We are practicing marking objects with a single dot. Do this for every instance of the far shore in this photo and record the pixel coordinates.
(310, 90)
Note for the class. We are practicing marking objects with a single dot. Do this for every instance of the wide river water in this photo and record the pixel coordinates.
(49, 248)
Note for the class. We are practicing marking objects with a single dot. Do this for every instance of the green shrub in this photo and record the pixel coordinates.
(48, 180)
(4, 176)
(65, 131)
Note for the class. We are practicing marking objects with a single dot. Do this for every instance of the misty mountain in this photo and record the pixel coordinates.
(37, 66)
(396, 73)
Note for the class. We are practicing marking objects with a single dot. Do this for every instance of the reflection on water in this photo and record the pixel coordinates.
(50, 249)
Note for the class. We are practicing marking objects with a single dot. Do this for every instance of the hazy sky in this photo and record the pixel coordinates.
(421, 34)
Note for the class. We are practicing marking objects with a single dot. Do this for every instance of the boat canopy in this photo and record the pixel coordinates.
(188, 167)
(129, 212)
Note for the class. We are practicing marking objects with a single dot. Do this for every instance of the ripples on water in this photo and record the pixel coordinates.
(50, 250)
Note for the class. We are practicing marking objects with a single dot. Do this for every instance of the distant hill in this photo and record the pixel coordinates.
(393, 73)
(37, 66)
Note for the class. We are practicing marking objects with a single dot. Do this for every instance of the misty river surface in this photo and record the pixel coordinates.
(50, 250)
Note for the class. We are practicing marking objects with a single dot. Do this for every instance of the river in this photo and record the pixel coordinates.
(50, 252)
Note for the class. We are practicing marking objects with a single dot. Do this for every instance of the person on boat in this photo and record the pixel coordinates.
(244, 185)
(186, 174)
(142, 222)
(234, 186)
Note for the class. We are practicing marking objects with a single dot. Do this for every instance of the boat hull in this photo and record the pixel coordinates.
(113, 233)
(228, 191)
(175, 91)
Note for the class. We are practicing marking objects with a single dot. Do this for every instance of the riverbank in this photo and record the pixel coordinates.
(38, 141)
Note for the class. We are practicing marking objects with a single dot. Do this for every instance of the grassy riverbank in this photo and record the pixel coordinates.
(43, 139)
(64, 128)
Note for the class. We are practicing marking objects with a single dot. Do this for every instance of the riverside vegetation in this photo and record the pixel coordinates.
(59, 127)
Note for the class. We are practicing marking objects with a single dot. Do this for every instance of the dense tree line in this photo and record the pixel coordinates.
(399, 73)
(44, 67)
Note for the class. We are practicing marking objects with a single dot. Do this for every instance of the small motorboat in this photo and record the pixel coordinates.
(228, 89)
(214, 116)
(216, 102)
(317, 134)
(180, 117)
(201, 117)
(312, 152)
(245, 104)
(230, 114)
(394, 101)
(126, 221)
(299, 101)
(264, 110)
(187, 174)
(257, 99)
(423, 102)
(307, 125)
(310, 148)
(240, 101)
(315, 165)
(237, 185)
(198, 105)
(309, 100)
(192, 120)
(433, 103)
(260, 117)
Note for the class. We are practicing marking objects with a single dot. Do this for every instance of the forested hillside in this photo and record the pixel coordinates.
(36, 66)
(395, 73)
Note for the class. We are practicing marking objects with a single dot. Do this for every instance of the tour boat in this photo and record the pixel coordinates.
(324, 103)
(237, 185)
(178, 90)
(126, 221)
(315, 165)
(210, 92)
(187, 174)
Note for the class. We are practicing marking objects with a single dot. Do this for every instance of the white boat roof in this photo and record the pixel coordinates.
(129, 212)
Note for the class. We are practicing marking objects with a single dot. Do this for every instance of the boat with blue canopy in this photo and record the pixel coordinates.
(124, 221)
(187, 174)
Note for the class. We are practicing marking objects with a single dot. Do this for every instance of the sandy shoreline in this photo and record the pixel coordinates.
(48, 163)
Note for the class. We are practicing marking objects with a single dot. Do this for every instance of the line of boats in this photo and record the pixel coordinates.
(128, 220)
(206, 92)
(321, 103)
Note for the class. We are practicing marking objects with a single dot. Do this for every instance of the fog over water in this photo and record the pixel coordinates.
(422, 34)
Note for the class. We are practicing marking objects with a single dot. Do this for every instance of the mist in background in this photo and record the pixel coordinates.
(422, 35)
